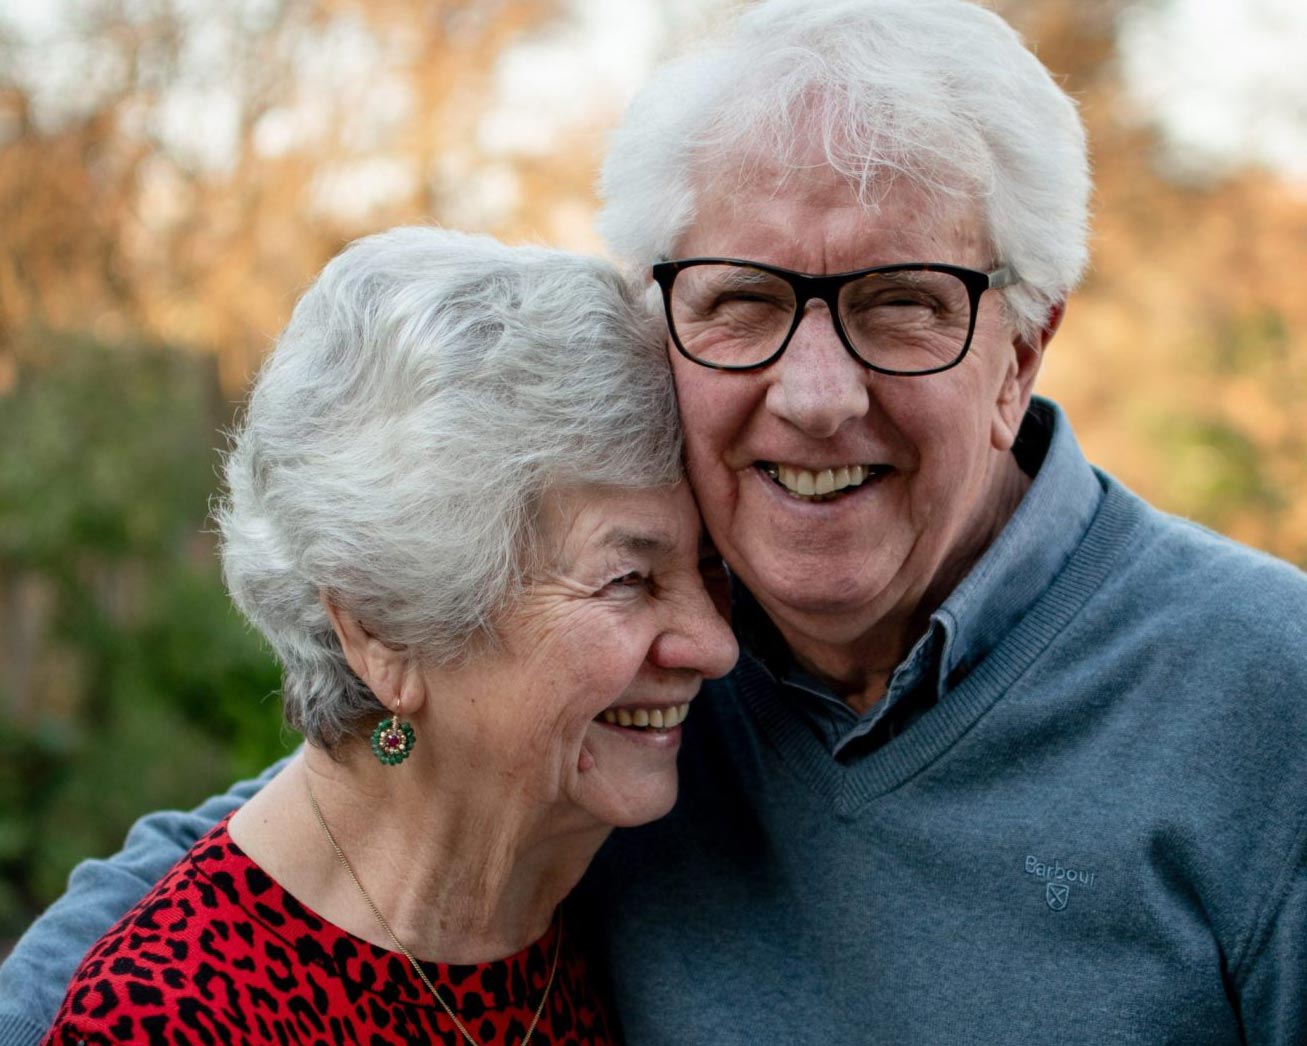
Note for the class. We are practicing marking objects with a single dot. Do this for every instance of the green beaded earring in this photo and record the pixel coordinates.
(392, 741)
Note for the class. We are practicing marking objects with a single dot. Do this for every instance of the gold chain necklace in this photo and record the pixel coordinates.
(417, 967)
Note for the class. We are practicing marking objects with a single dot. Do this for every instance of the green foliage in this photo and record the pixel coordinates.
(162, 693)
(1237, 457)
(1217, 470)
(1257, 344)
(107, 452)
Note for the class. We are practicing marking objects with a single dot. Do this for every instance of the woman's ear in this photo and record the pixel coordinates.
(388, 671)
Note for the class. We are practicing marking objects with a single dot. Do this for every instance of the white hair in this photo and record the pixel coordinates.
(941, 92)
(429, 389)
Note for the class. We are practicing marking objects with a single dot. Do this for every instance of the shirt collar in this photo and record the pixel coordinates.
(1029, 552)
(1005, 582)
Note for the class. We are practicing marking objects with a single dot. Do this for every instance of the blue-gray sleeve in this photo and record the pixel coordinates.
(34, 977)
(1273, 992)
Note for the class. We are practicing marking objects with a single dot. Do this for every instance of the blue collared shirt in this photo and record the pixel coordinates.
(1004, 583)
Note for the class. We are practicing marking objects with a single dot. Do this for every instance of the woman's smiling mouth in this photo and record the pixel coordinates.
(646, 718)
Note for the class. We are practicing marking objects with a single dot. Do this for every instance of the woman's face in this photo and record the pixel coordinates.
(610, 640)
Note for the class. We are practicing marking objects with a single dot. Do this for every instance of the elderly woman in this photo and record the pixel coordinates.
(456, 511)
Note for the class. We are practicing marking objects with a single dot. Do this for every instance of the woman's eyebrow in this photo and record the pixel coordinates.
(636, 542)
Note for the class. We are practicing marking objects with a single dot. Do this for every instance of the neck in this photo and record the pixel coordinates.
(857, 659)
(462, 871)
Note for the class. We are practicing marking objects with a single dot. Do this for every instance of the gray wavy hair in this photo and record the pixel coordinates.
(942, 92)
(429, 389)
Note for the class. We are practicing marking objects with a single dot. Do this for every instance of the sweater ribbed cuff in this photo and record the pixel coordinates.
(17, 1030)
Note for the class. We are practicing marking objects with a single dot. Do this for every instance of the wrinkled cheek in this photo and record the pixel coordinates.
(715, 487)
(698, 463)
(943, 494)
(550, 732)
(936, 491)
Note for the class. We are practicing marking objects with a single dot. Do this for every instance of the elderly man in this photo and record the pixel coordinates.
(1009, 756)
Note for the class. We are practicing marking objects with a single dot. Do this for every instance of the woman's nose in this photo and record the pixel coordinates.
(699, 639)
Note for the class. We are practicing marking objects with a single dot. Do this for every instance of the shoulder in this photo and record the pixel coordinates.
(1185, 579)
(1192, 653)
(217, 929)
(156, 965)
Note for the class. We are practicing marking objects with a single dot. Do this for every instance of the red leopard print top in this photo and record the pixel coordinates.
(219, 953)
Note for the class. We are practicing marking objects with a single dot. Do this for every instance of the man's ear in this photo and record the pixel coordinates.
(1019, 381)
(389, 671)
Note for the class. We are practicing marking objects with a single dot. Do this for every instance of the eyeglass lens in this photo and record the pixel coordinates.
(738, 316)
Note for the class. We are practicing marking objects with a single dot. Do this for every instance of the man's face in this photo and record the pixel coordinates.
(940, 481)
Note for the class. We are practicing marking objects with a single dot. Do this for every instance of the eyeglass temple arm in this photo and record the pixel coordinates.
(1004, 276)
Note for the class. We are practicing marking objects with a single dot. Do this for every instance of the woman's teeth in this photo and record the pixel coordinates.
(645, 718)
(808, 484)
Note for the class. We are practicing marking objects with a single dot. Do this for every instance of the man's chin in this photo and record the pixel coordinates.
(802, 587)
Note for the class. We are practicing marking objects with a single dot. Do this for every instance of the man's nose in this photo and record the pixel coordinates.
(817, 385)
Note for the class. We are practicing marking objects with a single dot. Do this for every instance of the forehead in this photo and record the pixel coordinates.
(584, 522)
(811, 218)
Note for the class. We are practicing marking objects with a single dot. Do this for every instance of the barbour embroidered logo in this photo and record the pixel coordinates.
(1058, 878)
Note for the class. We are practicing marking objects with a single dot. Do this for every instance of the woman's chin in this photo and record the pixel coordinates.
(633, 811)
(625, 776)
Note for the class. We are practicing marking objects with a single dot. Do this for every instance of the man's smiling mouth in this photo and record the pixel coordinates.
(822, 484)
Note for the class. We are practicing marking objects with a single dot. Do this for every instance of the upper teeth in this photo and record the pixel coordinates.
(802, 481)
(662, 718)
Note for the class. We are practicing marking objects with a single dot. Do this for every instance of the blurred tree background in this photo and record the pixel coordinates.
(173, 171)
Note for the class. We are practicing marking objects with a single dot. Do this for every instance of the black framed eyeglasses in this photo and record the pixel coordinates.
(908, 319)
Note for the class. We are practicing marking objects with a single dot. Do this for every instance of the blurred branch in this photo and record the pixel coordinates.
(205, 174)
